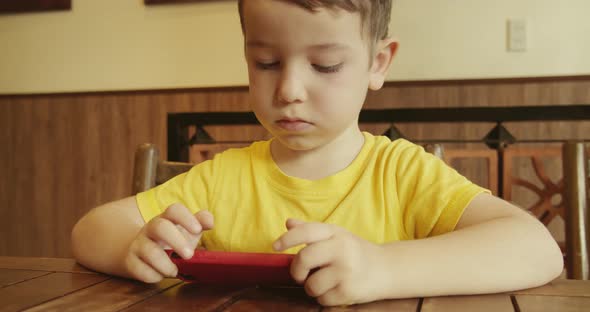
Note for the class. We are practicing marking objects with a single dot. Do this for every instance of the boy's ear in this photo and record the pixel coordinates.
(386, 49)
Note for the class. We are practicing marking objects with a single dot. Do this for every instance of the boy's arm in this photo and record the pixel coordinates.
(101, 238)
(495, 247)
(114, 239)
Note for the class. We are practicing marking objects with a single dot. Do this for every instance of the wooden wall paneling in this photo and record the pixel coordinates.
(7, 139)
(60, 188)
(554, 130)
(9, 117)
(20, 176)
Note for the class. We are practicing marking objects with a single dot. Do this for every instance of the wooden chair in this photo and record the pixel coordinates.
(545, 209)
(548, 196)
(573, 189)
(202, 152)
(489, 155)
(149, 170)
(435, 149)
(577, 218)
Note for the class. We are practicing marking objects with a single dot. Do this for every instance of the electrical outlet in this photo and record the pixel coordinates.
(517, 35)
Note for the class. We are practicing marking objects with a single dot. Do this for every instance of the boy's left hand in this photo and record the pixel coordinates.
(349, 267)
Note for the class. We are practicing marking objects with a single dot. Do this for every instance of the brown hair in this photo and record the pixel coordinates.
(374, 13)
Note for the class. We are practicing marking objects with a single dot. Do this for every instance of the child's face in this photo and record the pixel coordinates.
(309, 72)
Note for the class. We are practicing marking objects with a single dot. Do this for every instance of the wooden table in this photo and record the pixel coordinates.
(50, 284)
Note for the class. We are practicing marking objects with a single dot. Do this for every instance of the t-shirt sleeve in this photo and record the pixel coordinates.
(192, 189)
(431, 194)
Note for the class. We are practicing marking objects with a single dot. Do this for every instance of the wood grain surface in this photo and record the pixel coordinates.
(44, 290)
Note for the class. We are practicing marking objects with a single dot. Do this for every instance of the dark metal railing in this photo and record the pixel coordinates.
(498, 138)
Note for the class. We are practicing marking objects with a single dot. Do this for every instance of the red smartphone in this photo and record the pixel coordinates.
(234, 268)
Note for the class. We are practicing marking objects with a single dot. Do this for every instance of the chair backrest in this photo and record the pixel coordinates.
(435, 149)
(490, 157)
(546, 208)
(149, 170)
(577, 218)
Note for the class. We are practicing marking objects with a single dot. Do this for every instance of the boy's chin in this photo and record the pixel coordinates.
(298, 143)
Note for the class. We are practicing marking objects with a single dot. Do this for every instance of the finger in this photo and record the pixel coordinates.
(192, 239)
(179, 214)
(311, 257)
(320, 282)
(335, 297)
(205, 218)
(141, 270)
(165, 232)
(291, 223)
(307, 233)
(153, 255)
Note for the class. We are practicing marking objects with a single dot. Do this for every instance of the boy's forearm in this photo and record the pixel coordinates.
(100, 239)
(500, 255)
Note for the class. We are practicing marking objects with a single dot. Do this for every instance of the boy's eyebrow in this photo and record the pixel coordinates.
(329, 46)
(322, 46)
(257, 44)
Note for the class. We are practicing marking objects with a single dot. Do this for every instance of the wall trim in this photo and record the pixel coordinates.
(230, 89)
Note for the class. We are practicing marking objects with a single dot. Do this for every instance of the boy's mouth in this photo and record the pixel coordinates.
(293, 124)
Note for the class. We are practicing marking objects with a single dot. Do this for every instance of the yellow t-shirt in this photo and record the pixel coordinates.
(391, 191)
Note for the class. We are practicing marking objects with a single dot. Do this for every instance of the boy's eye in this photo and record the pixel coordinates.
(265, 66)
(328, 69)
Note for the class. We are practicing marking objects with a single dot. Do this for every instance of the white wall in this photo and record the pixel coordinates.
(455, 39)
(124, 45)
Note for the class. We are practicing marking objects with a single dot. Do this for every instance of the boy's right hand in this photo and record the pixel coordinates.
(177, 228)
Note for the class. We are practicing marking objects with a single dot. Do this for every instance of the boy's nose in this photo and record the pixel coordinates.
(290, 89)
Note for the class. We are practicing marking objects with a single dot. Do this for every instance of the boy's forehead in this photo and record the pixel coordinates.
(268, 20)
(332, 46)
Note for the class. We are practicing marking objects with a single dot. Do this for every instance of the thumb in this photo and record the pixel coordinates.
(291, 223)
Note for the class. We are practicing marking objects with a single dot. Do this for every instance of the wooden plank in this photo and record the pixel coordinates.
(492, 303)
(295, 299)
(553, 303)
(9, 277)
(272, 305)
(275, 299)
(401, 305)
(112, 295)
(43, 264)
(36, 291)
(559, 287)
(190, 297)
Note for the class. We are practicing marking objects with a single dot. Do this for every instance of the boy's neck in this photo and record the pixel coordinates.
(322, 161)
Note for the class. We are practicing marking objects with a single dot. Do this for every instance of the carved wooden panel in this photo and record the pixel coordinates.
(489, 168)
(533, 180)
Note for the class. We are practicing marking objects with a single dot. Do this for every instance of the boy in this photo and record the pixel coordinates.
(379, 219)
